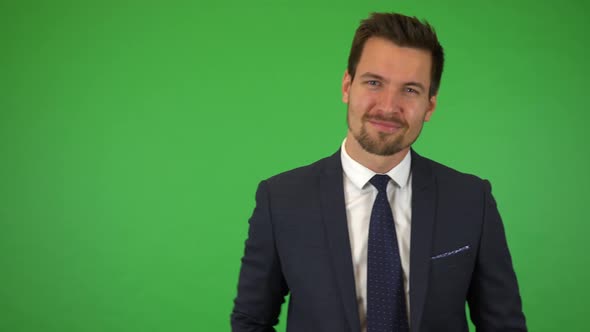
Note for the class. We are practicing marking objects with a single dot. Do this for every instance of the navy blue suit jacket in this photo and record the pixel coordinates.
(298, 243)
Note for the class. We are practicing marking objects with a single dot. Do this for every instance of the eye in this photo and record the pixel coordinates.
(373, 83)
(411, 90)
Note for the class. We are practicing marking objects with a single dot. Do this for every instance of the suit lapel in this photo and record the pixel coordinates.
(423, 213)
(334, 217)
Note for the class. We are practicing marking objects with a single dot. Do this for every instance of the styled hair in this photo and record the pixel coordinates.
(404, 31)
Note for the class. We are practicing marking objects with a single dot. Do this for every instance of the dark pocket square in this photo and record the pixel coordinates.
(450, 253)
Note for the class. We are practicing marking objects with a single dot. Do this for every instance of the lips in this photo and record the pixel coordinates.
(385, 126)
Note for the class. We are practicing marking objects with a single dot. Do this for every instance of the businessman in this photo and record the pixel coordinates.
(376, 237)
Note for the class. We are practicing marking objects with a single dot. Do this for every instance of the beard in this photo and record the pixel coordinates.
(385, 144)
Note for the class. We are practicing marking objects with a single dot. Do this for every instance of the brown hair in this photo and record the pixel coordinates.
(404, 31)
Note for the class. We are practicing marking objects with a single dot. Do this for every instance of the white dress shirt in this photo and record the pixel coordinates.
(359, 196)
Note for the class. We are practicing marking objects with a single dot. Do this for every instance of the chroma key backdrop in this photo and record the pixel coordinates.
(123, 123)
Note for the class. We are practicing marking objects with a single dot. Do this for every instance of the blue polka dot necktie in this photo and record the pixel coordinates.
(386, 302)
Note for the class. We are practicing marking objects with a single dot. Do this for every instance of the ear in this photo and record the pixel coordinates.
(431, 108)
(346, 83)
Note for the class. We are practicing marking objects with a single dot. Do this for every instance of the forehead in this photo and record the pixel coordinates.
(383, 57)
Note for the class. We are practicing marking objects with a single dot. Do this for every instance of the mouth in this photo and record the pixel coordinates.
(385, 126)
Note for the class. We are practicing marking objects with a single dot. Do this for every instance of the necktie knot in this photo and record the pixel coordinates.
(380, 182)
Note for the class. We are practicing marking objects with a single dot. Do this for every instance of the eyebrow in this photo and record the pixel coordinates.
(379, 77)
(416, 84)
(375, 76)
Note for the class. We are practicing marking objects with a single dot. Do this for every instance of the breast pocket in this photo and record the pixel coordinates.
(450, 274)
(452, 258)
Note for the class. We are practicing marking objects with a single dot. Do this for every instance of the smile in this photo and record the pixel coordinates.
(385, 126)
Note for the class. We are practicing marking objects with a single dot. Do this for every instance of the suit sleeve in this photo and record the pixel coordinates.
(494, 299)
(261, 285)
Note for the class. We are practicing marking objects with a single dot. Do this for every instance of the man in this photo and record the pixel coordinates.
(376, 237)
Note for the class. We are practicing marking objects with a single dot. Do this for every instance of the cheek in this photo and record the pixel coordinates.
(417, 120)
(361, 104)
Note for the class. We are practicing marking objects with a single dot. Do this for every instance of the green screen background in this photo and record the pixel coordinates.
(123, 124)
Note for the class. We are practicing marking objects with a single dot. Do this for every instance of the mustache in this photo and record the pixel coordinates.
(393, 118)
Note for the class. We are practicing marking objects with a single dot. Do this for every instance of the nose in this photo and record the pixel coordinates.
(389, 102)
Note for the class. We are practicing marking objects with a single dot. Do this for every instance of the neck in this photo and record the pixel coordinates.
(376, 163)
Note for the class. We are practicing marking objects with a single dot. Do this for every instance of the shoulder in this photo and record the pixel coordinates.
(301, 187)
(444, 171)
(306, 174)
(450, 178)
(458, 194)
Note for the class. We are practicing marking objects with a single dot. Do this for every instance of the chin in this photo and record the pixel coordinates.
(381, 148)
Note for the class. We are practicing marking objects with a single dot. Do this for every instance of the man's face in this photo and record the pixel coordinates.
(388, 99)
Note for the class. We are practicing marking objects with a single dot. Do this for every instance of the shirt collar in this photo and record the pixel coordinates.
(359, 175)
